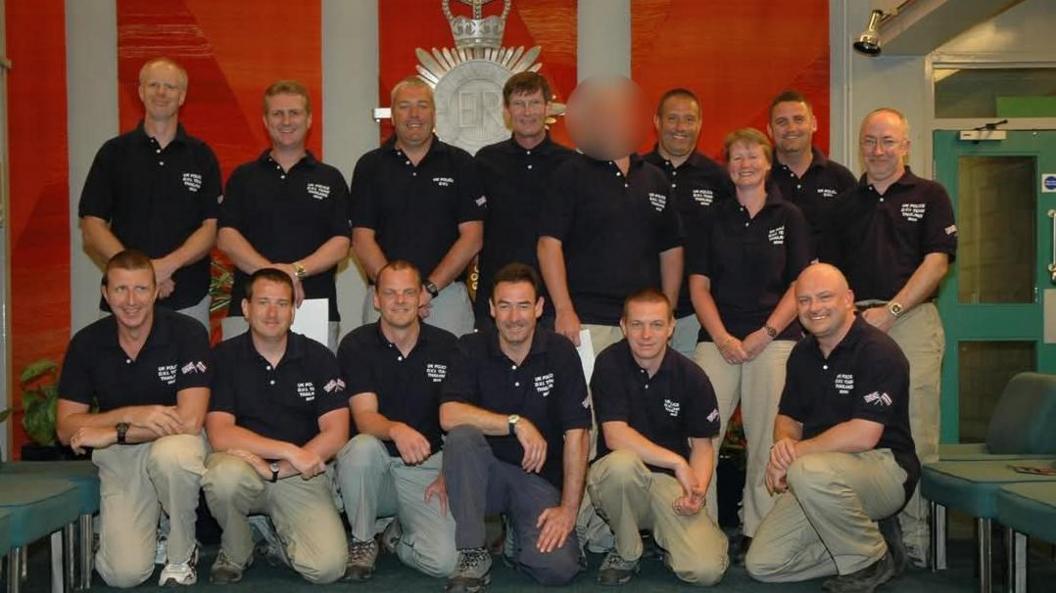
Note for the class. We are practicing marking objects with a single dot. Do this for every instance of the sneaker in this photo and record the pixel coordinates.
(160, 549)
(224, 571)
(615, 570)
(272, 552)
(472, 573)
(892, 532)
(361, 558)
(180, 573)
(866, 580)
(390, 538)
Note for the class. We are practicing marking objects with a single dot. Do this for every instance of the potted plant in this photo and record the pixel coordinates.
(40, 396)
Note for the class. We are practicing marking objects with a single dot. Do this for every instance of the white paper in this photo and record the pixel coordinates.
(313, 320)
(586, 353)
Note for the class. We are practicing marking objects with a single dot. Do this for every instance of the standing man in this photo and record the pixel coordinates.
(286, 210)
(156, 189)
(894, 237)
(148, 370)
(658, 414)
(842, 463)
(514, 174)
(803, 174)
(278, 414)
(697, 183)
(419, 199)
(516, 410)
(395, 369)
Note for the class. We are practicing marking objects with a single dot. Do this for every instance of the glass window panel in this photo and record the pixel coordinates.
(995, 92)
(985, 369)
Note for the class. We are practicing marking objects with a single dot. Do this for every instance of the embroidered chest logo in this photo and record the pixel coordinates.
(167, 373)
(444, 181)
(672, 408)
(192, 181)
(436, 371)
(913, 212)
(844, 383)
(318, 191)
(878, 399)
(659, 201)
(776, 235)
(714, 415)
(704, 197)
(306, 390)
(193, 367)
(544, 384)
(827, 192)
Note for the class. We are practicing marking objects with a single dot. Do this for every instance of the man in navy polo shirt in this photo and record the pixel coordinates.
(155, 189)
(517, 414)
(843, 457)
(514, 174)
(657, 414)
(697, 184)
(286, 210)
(277, 415)
(803, 174)
(394, 370)
(148, 369)
(894, 237)
(418, 198)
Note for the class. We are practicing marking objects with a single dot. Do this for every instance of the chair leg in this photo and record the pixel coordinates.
(69, 555)
(937, 517)
(984, 539)
(58, 575)
(23, 564)
(86, 555)
(14, 569)
(1018, 567)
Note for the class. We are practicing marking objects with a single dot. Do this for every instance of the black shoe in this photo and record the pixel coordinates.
(892, 532)
(741, 550)
(866, 580)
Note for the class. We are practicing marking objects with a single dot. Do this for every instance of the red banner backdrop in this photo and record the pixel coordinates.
(736, 56)
(408, 24)
(39, 200)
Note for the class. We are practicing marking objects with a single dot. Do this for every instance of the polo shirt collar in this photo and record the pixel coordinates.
(695, 159)
(854, 335)
(667, 365)
(510, 145)
(181, 134)
(384, 341)
(307, 160)
(160, 332)
(908, 179)
(437, 145)
(294, 347)
(492, 339)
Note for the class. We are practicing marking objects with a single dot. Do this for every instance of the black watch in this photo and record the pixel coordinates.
(770, 331)
(122, 433)
(431, 288)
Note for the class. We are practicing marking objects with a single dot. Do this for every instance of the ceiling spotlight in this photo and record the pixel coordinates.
(869, 41)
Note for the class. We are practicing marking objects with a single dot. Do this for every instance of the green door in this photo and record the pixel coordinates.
(993, 302)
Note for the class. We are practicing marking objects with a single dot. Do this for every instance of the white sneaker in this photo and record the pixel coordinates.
(180, 573)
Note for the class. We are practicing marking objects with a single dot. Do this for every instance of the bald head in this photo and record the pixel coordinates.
(824, 301)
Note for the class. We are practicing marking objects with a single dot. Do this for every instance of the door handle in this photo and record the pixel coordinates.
(1052, 261)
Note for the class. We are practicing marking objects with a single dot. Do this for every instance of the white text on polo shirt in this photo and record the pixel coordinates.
(844, 383)
(193, 367)
(306, 390)
(659, 201)
(776, 235)
(318, 190)
(334, 385)
(193, 181)
(444, 181)
(704, 197)
(167, 373)
(913, 212)
(827, 192)
(672, 407)
(544, 383)
(436, 371)
(878, 399)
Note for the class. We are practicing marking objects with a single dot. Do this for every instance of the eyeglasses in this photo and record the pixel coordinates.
(888, 144)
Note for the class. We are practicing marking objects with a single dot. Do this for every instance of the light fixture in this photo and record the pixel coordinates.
(869, 41)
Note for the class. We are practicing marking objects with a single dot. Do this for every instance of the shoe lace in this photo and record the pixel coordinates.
(471, 559)
(615, 561)
(360, 550)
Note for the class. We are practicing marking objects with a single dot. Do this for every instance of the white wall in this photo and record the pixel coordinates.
(1023, 32)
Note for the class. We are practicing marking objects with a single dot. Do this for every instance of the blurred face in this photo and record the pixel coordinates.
(749, 165)
(792, 127)
(648, 327)
(396, 298)
(131, 295)
(678, 126)
(605, 118)
(824, 303)
(413, 115)
(515, 307)
(269, 312)
(162, 88)
(884, 147)
(527, 114)
(287, 120)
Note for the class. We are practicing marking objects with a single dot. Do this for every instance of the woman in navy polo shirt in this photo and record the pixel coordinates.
(742, 267)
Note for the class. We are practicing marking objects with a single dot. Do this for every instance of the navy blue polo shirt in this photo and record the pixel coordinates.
(407, 387)
(415, 210)
(815, 192)
(751, 262)
(696, 185)
(674, 405)
(175, 356)
(866, 377)
(612, 230)
(547, 388)
(283, 402)
(154, 199)
(514, 179)
(879, 241)
(286, 216)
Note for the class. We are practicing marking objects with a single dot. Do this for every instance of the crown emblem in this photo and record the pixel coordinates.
(479, 31)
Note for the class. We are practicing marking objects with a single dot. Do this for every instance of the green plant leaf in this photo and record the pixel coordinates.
(36, 369)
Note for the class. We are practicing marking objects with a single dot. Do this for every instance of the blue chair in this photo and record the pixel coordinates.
(85, 476)
(36, 508)
(1026, 510)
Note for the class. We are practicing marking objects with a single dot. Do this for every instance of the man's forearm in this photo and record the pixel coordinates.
(706, 309)
(367, 251)
(374, 424)
(786, 427)
(470, 239)
(240, 251)
(99, 239)
(785, 311)
(552, 267)
(327, 256)
(236, 437)
(574, 468)
(924, 281)
(454, 414)
(197, 246)
(620, 436)
(702, 460)
(851, 436)
(671, 265)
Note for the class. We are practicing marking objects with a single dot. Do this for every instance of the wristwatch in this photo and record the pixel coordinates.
(122, 432)
(274, 467)
(895, 309)
(299, 271)
(431, 288)
(770, 331)
(512, 421)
